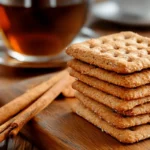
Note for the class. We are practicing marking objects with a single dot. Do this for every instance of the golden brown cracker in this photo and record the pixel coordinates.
(110, 116)
(124, 52)
(121, 92)
(138, 110)
(129, 80)
(107, 99)
(129, 135)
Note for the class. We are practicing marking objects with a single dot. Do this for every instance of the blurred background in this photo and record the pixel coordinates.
(109, 16)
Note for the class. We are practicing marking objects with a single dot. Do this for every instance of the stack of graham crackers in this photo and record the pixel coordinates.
(113, 87)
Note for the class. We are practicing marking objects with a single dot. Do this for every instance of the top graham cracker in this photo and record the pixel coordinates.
(124, 52)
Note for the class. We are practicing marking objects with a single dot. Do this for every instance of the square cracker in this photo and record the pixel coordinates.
(121, 92)
(125, 52)
(110, 116)
(130, 135)
(107, 99)
(129, 80)
(138, 110)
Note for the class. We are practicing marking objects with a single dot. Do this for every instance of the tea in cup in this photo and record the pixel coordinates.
(39, 30)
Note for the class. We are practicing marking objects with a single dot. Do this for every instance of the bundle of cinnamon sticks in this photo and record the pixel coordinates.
(12, 119)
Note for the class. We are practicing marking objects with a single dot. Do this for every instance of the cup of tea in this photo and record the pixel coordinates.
(39, 30)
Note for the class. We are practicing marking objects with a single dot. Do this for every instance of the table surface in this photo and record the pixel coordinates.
(9, 76)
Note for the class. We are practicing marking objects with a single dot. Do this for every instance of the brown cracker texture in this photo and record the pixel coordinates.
(121, 92)
(110, 116)
(128, 80)
(138, 110)
(107, 99)
(124, 52)
(130, 135)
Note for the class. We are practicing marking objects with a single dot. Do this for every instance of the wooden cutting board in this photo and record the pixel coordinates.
(57, 128)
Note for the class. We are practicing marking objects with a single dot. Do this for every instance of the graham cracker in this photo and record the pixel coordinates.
(129, 135)
(110, 116)
(138, 110)
(124, 52)
(113, 102)
(121, 92)
(126, 80)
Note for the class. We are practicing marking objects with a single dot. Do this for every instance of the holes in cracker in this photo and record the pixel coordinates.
(140, 48)
(91, 46)
(115, 39)
(127, 52)
(127, 44)
(139, 41)
(103, 51)
(104, 41)
(148, 44)
(116, 47)
(116, 55)
(129, 59)
(148, 52)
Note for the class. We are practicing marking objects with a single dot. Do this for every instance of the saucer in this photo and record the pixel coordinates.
(6, 60)
(109, 11)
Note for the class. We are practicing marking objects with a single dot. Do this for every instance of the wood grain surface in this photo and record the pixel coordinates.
(57, 128)
(19, 143)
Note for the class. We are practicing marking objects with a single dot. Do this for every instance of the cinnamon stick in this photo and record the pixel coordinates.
(5, 133)
(19, 103)
(6, 125)
(38, 105)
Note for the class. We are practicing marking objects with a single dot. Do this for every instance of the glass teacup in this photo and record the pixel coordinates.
(39, 30)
